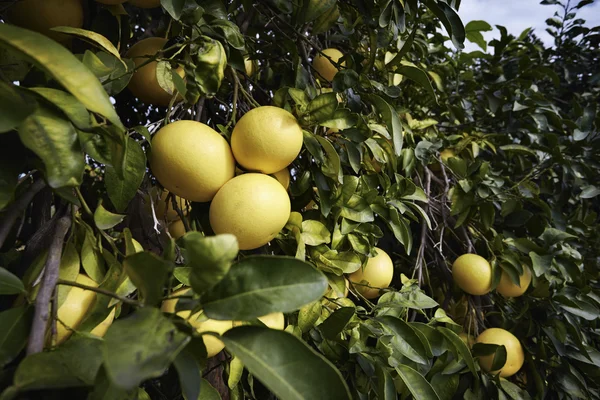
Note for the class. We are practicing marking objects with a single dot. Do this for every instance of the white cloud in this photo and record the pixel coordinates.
(518, 15)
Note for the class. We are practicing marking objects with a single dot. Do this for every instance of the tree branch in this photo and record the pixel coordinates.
(17, 207)
(51, 270)
(100, 291)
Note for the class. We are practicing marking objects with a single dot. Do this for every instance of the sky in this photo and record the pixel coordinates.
(517, 15)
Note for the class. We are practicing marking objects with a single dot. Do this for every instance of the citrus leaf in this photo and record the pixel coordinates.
(208, 392)
(69, 105)
(14, 332)
(104, 219)
(148, 272)
(416, 383)
(332, 165)
(190, 374)
(322, 107)
(63, 66)
(90, 257)
(450, 20)
(405, 340)
(141, 346)
(68, 270)
(285, 364)
(419, 76)
(75, 363)
(10, 283)
(122, 190)
(90, 37)
(460, 347)
(260, 285)
(55, 141)
(336, 322)
(518, 148)
(315, 233)
(391, 119)
(209, 258)
(14, 107)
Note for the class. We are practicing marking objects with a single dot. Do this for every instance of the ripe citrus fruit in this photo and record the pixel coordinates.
(164, 209)
(213, 344)
(144, 84)
(41, 15)
(176, 229)
(145, 3)
(324, 66)
(514, 351)
(507, 288)
(250, 66)
(283, 177)
(473, 274)
(76, 305)
(253, 207)
(377, 273)
(266, 139)
(191, 160)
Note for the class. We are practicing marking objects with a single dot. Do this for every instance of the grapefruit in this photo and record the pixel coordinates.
(377, 274)
(274, 320)
(507, 288)
(283, 177)
(324, 66)
(76, 305)
(213, 344)
(191, 160)
(514, 351)
(144, 84)
(266, 139)
(176, 229)
(41, 15)
(473, 274)
(253, 207)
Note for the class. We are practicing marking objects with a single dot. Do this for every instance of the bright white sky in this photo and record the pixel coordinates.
(517, 15)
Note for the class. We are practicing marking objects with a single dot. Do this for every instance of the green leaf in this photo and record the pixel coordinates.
(391, 119)
(450, 20)
(407, 299)
(75, 363)
(326, 21)
(416, 383)
(122, 190)
(68, 270)
(208, 392)
(342, 118)
(541, 263)
(553, 236)
(190, 374)
(405, 48)
(15, 108)
(68, 104)
(518, 148)
(478, 25)
(14, 332)
(419, 76)
(405, 340)
(322, 107)
(336, 322)
(333, 165)
(589, 192)
(460, 347)
(285, 364)
(445, 385)
(260, 285)
(236, 370)
(141, 346)
(385, 384)
(486, 349)
(90, 37)
(54, 140)
(10, 283)
(104, 219)
(315, 233)
(90, 257)
(63, 66)
(148, 272)
(315, 8)
(209, 258)
(173, 7)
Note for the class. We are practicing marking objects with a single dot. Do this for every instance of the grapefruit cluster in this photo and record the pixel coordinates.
(195, 163)
(202, 324)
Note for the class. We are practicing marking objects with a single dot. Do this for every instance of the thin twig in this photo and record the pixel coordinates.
(51, 271)
(421, 252)
(199, 109)
(14, 211)
(182, 217)
(100, 291)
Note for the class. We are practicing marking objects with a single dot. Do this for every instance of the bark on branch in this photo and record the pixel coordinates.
(17, 207)
(51, 270)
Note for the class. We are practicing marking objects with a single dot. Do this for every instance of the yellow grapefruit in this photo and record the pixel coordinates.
(75, 307)
(191, 160)
(377, 273)
(249, 66)
(473, 274)
(514, 351)
(266, 139)
(145, 3)
(176, 229)
(144, 84)
(41, 15)
(213, 344)
(253, 207)
(283, 177)
(274, 320)
(507, 288)
(324, 66)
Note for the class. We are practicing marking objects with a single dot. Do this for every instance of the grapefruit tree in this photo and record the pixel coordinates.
(300, 200)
